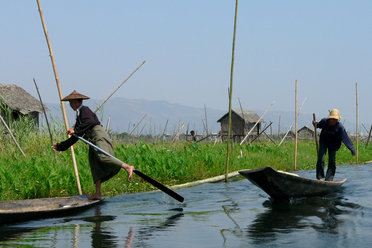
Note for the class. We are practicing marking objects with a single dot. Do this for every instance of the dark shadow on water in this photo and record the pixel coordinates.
(101, 236)
(13, 233)
(146, 233)
(322, 214)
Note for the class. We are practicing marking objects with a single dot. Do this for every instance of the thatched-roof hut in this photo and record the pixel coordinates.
(20, 102)
(241, 123)
(305, 133)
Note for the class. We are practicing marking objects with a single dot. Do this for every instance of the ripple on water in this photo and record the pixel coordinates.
(236, 214)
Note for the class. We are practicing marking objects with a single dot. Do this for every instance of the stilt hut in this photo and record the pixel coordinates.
(20, 102)
(305, 133)
(241, 123)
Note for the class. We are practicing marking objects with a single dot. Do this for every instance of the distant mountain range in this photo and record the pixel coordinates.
(126, 113)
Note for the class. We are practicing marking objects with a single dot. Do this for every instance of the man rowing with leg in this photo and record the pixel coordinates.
(331, 136)
(87, 124)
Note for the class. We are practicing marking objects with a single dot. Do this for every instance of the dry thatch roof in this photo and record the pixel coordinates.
(18, 99)
(247, 115)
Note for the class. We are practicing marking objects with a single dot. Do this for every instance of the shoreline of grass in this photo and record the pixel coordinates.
(40, 175)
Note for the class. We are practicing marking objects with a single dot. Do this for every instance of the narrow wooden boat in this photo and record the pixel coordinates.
(22, 210)
(284, 185)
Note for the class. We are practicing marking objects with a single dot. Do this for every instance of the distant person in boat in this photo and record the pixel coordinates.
(193, 137)
(331, 136)
(87, 124)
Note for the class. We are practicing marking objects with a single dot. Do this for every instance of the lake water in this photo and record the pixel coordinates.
(237, 214)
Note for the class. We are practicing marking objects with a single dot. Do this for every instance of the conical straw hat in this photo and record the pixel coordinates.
(334, 114)
(75, 96)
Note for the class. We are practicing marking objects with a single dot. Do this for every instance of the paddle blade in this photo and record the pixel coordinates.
(160, 186)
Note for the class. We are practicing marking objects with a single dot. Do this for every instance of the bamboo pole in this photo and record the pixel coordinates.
(290, 127)
(230, 95)
(108, 124)
(316, 136)
(267, 110)
(121, 84)
(11, 134)
(165, 128)
(46, 117)
(296, 128)
(134, 128)
(263, 131)
(177, 136)
(357, 123)
(369, 136)
(206, 119)
(60, 94)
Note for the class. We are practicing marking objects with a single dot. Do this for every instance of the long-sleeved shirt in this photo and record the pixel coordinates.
(332, 136)
(86, 119)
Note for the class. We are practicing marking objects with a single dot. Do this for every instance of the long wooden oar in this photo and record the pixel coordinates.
(138, 173)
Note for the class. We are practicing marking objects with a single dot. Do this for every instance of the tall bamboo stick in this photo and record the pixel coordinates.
(107, 98)
(296, 128)
(60, 94)
(206, 119)
(261, 117)
(357, 123)
(230, 95)
(134, 128)
(293, 122)
(11, 134)
(369, 136)
(46, 117)
(165, 128)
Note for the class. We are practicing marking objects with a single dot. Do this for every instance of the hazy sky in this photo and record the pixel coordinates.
(326, 45)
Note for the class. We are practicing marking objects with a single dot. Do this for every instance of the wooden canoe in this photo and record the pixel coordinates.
(22, 210)
(284, 185)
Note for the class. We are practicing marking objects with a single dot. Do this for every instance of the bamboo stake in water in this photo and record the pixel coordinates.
(11, 134)
(357, 124)
(107, 98)
(296, 128)
(46, 117)
(60, 94)
(230, 96)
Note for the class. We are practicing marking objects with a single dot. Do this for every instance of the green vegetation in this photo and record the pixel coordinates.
(41, 175)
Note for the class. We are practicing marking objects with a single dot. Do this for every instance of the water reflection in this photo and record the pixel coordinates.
(319, 213)
(101, 235)
(147, 232)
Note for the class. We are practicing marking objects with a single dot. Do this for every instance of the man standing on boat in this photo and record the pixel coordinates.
(331, 136)
(87, 124)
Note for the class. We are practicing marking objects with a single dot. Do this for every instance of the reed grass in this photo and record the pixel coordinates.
(41, 175)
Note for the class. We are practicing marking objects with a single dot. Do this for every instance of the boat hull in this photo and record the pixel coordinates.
(22, 210)
(284, 186)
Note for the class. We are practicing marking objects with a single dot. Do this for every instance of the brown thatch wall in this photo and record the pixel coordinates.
(20, 102)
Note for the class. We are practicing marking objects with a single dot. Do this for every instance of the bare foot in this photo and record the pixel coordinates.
(95, 197)
(130, 169)
(320, 179)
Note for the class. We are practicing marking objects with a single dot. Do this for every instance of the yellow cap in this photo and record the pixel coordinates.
(334, 114)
